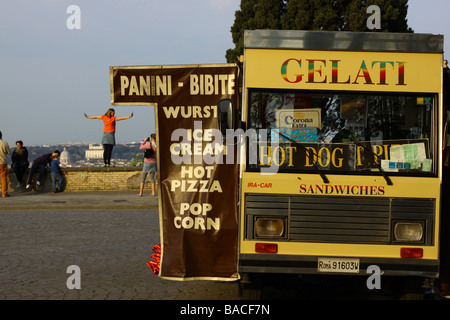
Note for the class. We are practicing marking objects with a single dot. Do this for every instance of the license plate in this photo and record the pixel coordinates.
(349, 265)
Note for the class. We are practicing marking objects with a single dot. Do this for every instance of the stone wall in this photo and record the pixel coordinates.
(91, 179)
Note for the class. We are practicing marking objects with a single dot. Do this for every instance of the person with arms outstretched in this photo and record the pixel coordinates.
(109, 132)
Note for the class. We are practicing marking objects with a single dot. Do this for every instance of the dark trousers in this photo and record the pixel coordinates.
(19, 170)
(34, 167)
(107, 152)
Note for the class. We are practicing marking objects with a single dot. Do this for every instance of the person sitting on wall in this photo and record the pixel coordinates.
(41, 163)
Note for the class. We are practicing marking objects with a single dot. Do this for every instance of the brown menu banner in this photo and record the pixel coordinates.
(198, 194)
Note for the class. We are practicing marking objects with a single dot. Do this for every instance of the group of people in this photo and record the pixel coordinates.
(20, 164)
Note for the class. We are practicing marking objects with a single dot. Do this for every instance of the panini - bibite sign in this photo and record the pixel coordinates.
(197, 185)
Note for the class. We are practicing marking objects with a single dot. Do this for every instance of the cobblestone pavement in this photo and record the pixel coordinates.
(110, 237)
(111, 248)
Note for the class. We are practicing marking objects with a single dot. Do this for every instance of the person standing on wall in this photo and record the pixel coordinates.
(4, 151)
(149, 145)
(109, 132)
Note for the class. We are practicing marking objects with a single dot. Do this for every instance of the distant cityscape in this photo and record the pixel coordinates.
(89, 154)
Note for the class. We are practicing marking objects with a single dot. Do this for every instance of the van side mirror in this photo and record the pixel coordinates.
(225, 116)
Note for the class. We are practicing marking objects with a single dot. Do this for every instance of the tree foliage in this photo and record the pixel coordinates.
(330, 15)
(254, 14)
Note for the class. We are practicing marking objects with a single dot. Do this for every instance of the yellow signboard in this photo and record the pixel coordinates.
(337, 70)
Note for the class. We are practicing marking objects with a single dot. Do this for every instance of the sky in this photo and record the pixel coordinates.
(50, 75)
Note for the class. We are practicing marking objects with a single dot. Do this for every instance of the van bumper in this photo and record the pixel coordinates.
(294, 264)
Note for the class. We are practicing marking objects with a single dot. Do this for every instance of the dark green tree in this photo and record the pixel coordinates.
(330, 15)
(254, 14)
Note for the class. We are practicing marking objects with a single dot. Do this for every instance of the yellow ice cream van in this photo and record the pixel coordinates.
(343, 153)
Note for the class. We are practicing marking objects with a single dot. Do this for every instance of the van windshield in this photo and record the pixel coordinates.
(358, 132)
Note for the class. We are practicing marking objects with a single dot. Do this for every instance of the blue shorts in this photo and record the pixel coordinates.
(148, 168)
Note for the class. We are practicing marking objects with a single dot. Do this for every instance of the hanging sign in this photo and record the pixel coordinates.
(197, 187)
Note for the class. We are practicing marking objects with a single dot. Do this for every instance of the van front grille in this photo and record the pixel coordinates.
(337, 219)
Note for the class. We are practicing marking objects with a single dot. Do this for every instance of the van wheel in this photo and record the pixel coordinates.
(412, 289)
(251, 287)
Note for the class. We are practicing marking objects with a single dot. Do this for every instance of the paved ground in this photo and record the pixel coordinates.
(78, 200)
(110, 237)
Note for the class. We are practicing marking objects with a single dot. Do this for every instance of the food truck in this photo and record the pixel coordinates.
(319, 153)
(354, 129)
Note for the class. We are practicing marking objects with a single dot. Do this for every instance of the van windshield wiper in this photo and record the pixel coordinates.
(324, 177)
(311, 158)
(383, 173)
(373, 154)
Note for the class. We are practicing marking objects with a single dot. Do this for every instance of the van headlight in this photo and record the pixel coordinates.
(408, 231)
(269, 227)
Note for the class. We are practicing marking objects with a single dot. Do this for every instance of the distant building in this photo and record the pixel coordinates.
(95, 151)
(65, 157)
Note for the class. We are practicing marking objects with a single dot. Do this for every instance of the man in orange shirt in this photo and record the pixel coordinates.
(109, 131)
